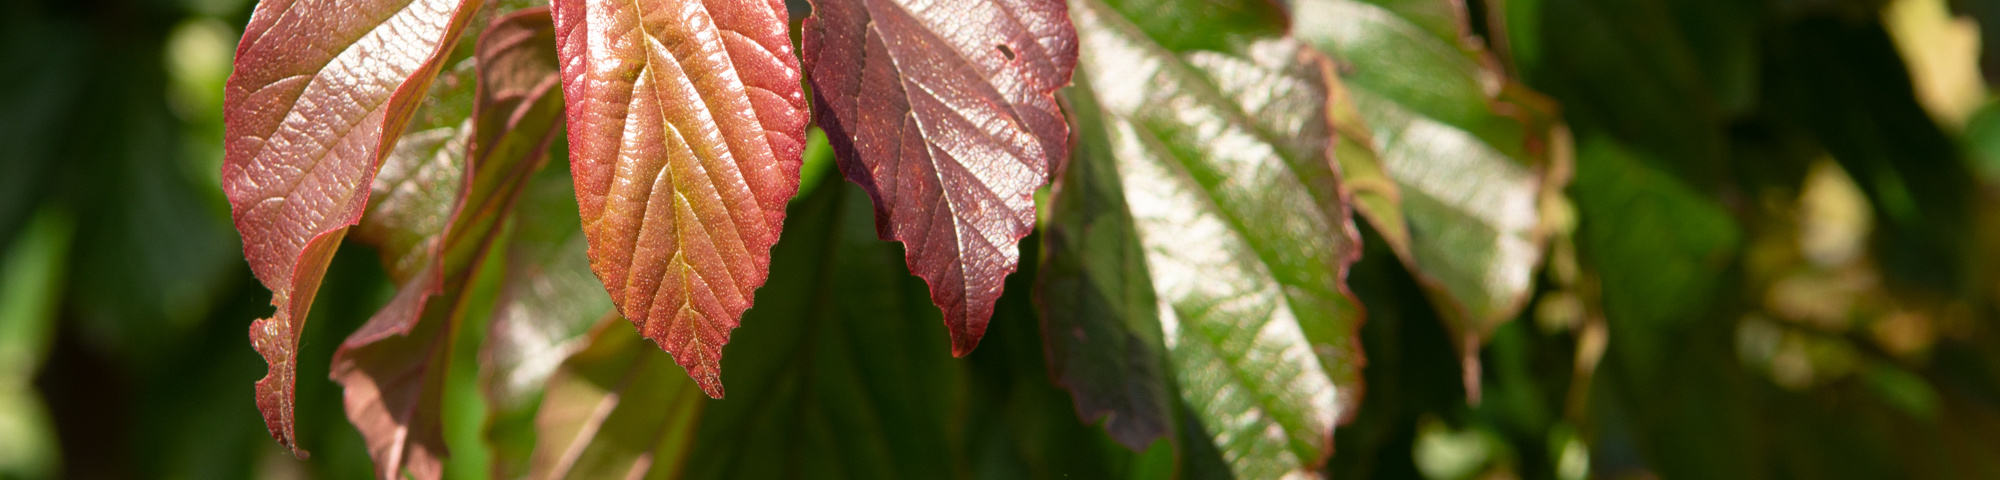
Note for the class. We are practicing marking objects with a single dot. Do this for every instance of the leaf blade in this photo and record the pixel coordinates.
(951, 135)
(719, 120)
(277, 145)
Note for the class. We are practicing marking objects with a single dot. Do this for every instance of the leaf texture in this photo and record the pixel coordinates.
(321, 89)
(686, 125)
(393, 368)
(945, 113)
(1214, 170)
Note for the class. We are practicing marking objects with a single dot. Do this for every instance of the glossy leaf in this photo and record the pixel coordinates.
(394, 367)
(686, 122)
(1220, 176)
(1468, 152)
(945, 114)
(320, 91)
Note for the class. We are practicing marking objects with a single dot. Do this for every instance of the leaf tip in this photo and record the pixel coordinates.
(710, 382)
(965, 336)
(274, 392)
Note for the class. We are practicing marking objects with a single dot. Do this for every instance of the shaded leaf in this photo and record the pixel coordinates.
(31, 280)
(946, 114)
(1622, 68)
(616, 409)
(547, 306)
(394, 366)
(320, 90)
(686, 123)
(1100, 320)
(1222, 175)
(843, 383)
(418, 186)
(841, 386)
(1466, 149)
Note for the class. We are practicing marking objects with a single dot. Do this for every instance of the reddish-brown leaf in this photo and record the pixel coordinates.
(686, 125)
(945, 113)
(320, 91)
(393, 367)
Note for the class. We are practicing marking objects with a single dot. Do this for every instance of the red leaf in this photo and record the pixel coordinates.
(320, 91)
(946, 114)
(393, 368)
(686, 125)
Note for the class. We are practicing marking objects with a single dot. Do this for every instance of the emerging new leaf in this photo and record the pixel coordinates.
(686, 125)
(321, 89)
(945, 113)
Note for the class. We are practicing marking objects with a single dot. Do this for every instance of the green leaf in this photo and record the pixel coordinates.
(1214, 172)
(548, 305)
(617, 409)
(1468, 180)
(31, 279)
(1100, 321)
(1657, 243)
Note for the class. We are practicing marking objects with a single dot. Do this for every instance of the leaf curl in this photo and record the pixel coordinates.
(320, 92)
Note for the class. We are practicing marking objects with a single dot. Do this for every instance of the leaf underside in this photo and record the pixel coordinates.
(321, 89)
(393, 368)
(686, 125)
(945, 113)
(1208, 166)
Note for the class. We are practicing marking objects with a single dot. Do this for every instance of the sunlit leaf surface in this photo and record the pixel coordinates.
(1219, 177)
(320, 91)
(945, 113)
(686, 124)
